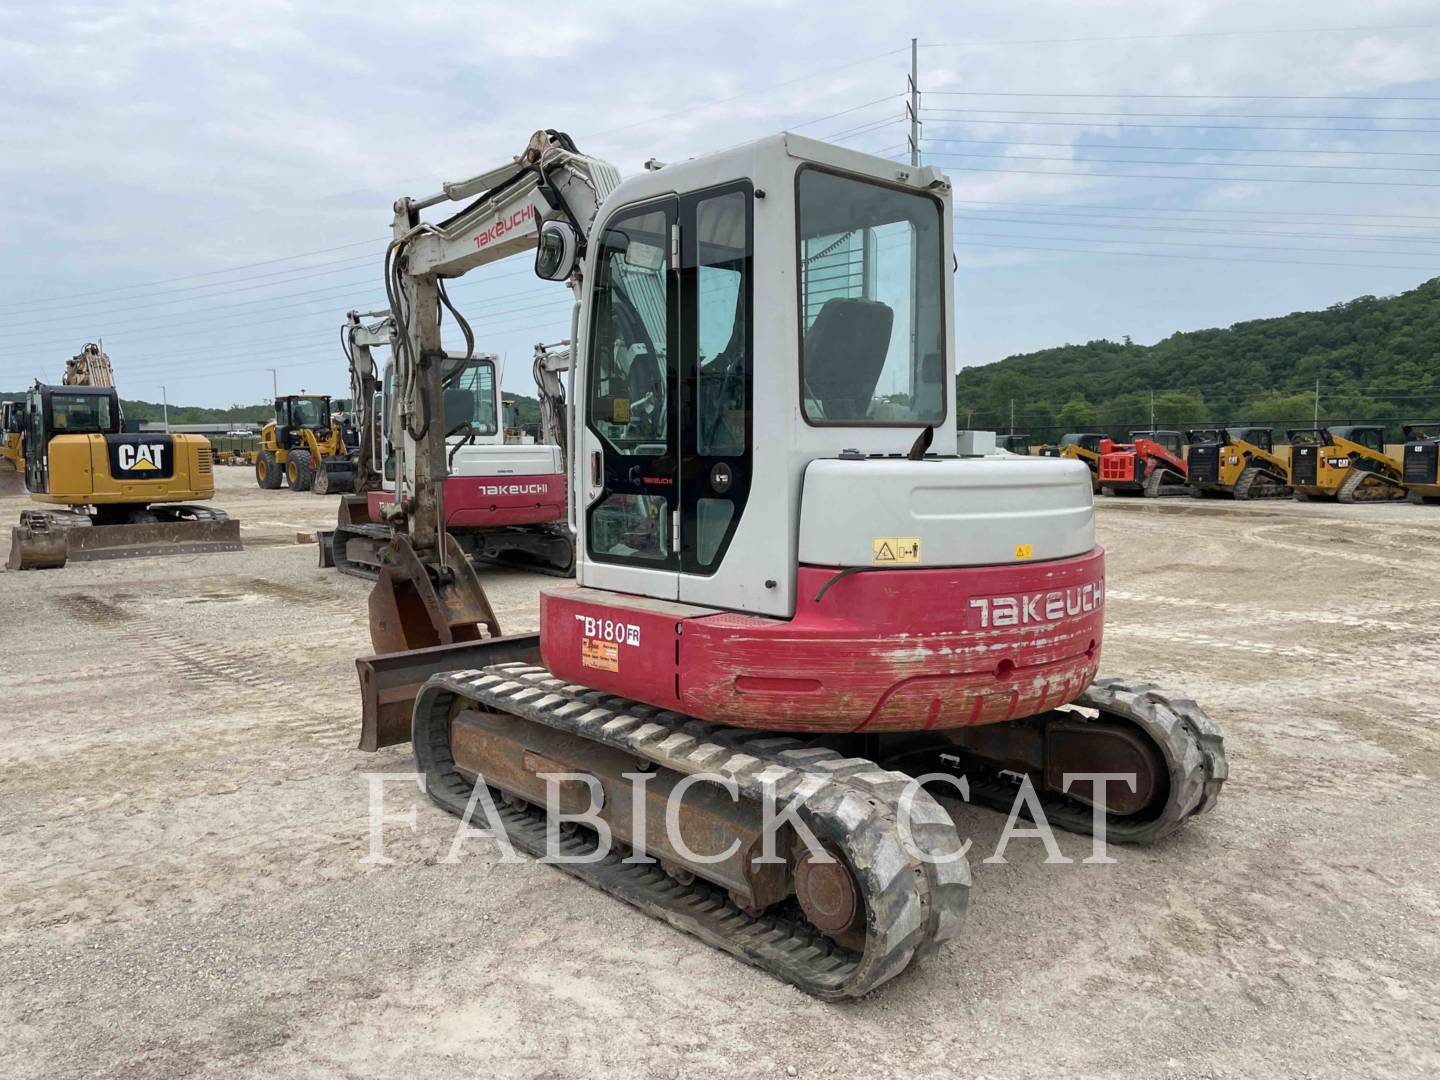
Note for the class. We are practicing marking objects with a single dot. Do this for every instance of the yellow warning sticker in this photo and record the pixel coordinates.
(620, 411)
(1024, 551)
(895, 549)
(604, 655)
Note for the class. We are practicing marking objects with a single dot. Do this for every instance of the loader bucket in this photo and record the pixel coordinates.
(414, 606)
(335, 476)
(12, 481)
(389, 683)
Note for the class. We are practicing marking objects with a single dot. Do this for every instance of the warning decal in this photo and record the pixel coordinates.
(1024, 551)
(604, 655)
(895, 549)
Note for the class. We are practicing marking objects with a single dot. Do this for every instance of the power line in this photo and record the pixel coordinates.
(1182, 34)
(1204, 179)
(1194, 149)
(1206, 244)
(1186, 97)
(1230, 211)
(1050, 220)
(1199, 127)
(1194, 115)
(1201, 258)
(1173, 164)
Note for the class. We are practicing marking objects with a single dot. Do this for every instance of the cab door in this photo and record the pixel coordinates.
(37, 444)
(632, 433)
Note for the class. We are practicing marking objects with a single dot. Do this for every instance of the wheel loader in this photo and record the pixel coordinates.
(792, 593)
(304, 447)
(1422, 460)
(12, 456)
(128, 494)
(1239, 462)
(1079, 446)
(1150, 464)
(1347, 464)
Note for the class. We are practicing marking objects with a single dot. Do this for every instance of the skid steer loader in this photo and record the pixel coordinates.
(1150, 464)
(1347, 464)
(128, 494)
(1422, 460)
(1079, 446)
(789, 587)
(304, 447)
(1014, 444)
(1239, 462)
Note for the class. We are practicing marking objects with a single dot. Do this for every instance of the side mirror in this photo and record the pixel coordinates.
(555, 251)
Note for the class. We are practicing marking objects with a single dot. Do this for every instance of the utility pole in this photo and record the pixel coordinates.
(165, 405)
(1152, 410)
(1012, 416)
(274, 382)
(1317, 403)
(912, 107)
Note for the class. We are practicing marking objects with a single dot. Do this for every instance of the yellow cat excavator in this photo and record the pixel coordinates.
(126, 494)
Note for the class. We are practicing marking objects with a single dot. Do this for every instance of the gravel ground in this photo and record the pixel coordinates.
(183, 818)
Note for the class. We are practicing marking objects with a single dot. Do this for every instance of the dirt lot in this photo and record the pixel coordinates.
(182, 819)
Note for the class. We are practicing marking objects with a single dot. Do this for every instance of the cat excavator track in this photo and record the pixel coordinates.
(835, 931)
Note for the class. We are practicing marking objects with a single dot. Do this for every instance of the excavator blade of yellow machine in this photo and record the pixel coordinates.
(44, 542)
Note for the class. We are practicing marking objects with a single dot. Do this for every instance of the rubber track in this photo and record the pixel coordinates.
(1190, 743)
(912, 905)
(1269, 485)
(1157, 486)
(1351, 487)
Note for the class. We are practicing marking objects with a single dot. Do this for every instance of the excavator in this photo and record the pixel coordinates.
(796, 586)
(1347, 464)
(12, 455)
(505, 497)
(127, 493)
(1150, 464)
(1239, 462)
(1079, 446)
(1422, 460)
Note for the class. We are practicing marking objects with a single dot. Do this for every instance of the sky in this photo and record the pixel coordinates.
(208, 187)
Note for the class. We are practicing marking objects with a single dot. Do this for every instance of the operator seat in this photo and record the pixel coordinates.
(646, 386)
(845, 351)
(459, 406)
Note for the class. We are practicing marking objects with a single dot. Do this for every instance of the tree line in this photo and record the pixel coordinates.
(1375, 359)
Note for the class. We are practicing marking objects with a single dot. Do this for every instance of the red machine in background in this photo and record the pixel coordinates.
(1151, 464)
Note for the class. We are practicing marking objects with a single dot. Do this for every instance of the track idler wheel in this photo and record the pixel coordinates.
(831, 898)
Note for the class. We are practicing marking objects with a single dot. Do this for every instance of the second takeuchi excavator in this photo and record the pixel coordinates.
(793, 581)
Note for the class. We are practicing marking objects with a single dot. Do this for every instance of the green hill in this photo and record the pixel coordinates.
(1374, 358)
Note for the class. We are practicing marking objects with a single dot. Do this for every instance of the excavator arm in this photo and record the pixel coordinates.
(546, 197)
(358, 339)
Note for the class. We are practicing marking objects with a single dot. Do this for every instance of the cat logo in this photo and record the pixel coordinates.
(140, 457)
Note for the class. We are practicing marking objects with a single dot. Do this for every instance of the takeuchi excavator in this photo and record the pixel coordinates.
(790, 580)
(127, 494)
(505, 498)
(1239, 462)
(1346, 463)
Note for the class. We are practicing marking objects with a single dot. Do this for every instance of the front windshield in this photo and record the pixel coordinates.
(309, 413)
(80, 412)
(469, 393)
(872, 305)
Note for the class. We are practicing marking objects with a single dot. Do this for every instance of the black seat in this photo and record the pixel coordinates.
(845, 350)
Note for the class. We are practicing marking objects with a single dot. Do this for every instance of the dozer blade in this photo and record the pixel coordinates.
(41, 543)
(415, 606)
(389, 683)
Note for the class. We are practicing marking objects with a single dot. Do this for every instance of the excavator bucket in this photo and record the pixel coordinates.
(412, 607)
(12, 481)
(424, 622)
